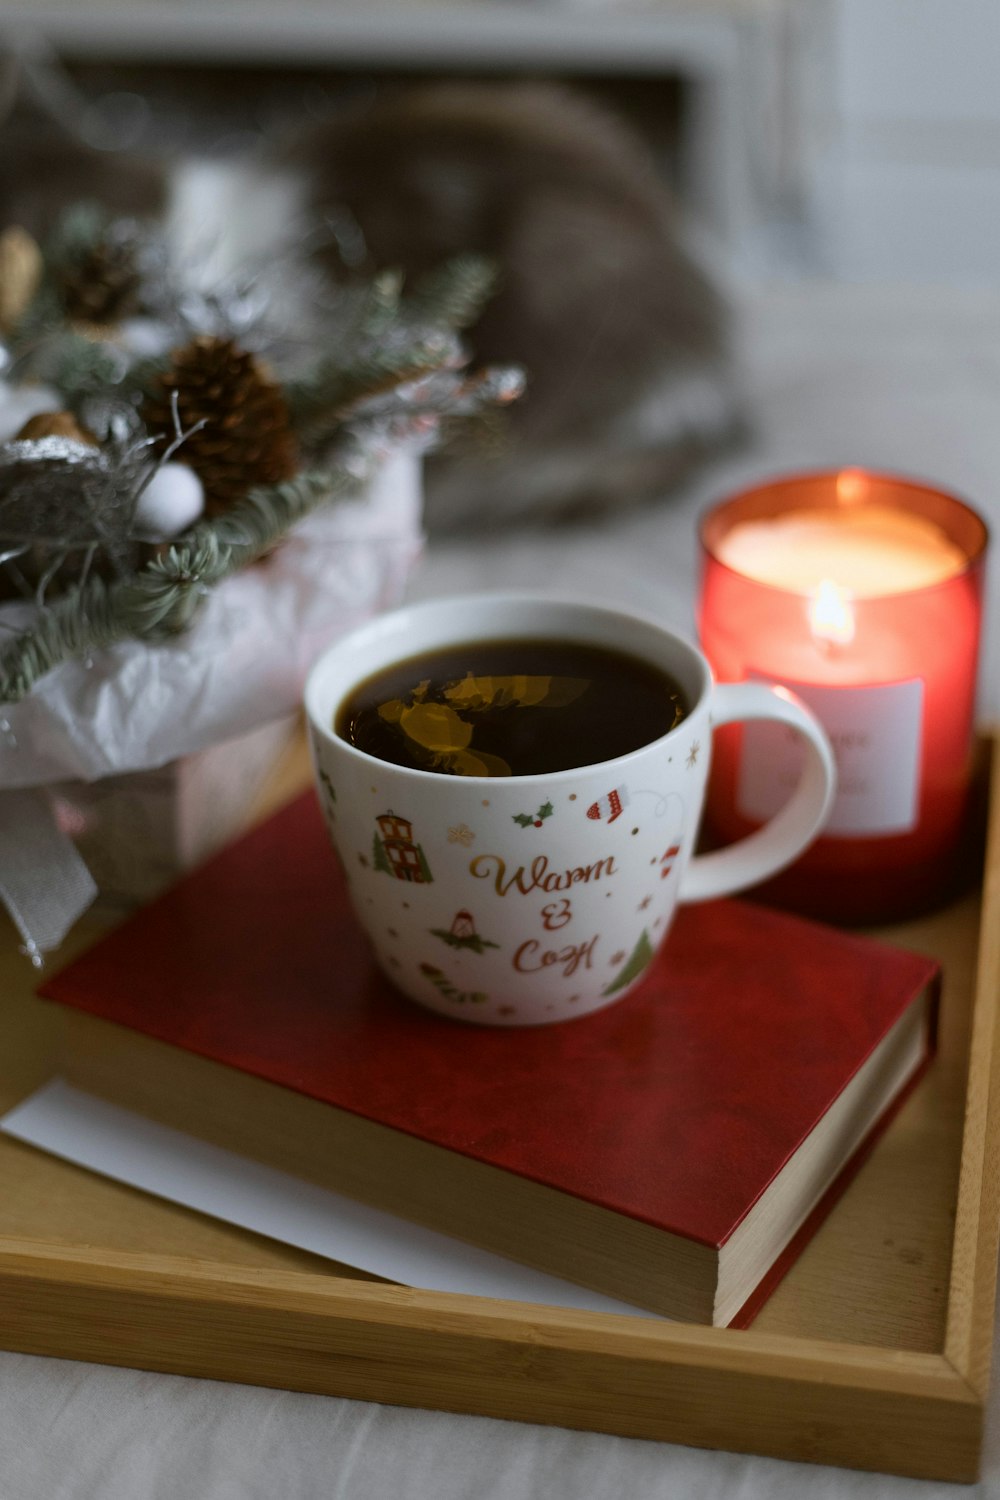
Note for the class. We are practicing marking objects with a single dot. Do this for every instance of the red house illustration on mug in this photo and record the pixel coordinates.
(395, 851)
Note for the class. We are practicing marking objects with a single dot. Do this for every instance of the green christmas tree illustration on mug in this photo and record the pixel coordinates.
(637, 960)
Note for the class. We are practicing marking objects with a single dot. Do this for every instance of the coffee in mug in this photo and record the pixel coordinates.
(510, 708)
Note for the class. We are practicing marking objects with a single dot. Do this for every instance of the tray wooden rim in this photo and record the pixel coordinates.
(882, 1408)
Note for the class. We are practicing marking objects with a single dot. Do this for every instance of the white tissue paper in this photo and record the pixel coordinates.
(233, 680)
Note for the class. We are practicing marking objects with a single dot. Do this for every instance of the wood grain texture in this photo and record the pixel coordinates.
(969, 1341)
(874, 1353)
(829, 1404)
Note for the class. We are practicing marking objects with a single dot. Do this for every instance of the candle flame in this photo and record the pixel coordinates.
(831, 618)
(852, 486)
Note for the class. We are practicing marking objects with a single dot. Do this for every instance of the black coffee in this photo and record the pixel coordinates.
(510, 708)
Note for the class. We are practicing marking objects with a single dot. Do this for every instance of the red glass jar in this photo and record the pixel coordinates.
(861, 592)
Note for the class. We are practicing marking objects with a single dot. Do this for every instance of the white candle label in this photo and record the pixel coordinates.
(876, 735)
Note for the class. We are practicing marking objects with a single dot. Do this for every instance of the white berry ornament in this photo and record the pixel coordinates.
(171, 502)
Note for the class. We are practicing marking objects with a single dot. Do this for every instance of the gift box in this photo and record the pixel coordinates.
(138, 832)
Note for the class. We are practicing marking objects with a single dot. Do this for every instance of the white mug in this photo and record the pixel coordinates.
(528, 900)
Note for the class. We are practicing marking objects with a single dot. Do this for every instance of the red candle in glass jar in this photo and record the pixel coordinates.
(862, 593)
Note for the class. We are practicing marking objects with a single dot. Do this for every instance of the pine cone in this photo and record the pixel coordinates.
(102, 285)
(247, 439)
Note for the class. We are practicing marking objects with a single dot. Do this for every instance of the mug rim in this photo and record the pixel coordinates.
(391, 621)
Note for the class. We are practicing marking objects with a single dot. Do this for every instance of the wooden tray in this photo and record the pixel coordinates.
(873, 1353)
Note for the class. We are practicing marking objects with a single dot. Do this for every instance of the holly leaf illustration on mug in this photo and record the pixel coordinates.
(535, 819)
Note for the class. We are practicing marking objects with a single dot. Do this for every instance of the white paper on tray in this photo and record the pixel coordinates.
(116, 1143)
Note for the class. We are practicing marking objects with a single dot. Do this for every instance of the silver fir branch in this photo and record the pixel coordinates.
(332, 390)
(162, 598)
(455, 294)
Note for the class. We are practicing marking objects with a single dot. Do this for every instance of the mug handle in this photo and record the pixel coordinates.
(783, 838)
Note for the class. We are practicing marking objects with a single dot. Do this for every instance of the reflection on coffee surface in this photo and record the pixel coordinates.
(510, 708)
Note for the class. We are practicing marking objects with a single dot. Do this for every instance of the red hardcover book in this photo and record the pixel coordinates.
(675, 1150)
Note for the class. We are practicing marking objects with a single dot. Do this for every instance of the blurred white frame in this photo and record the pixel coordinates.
(855, 138)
